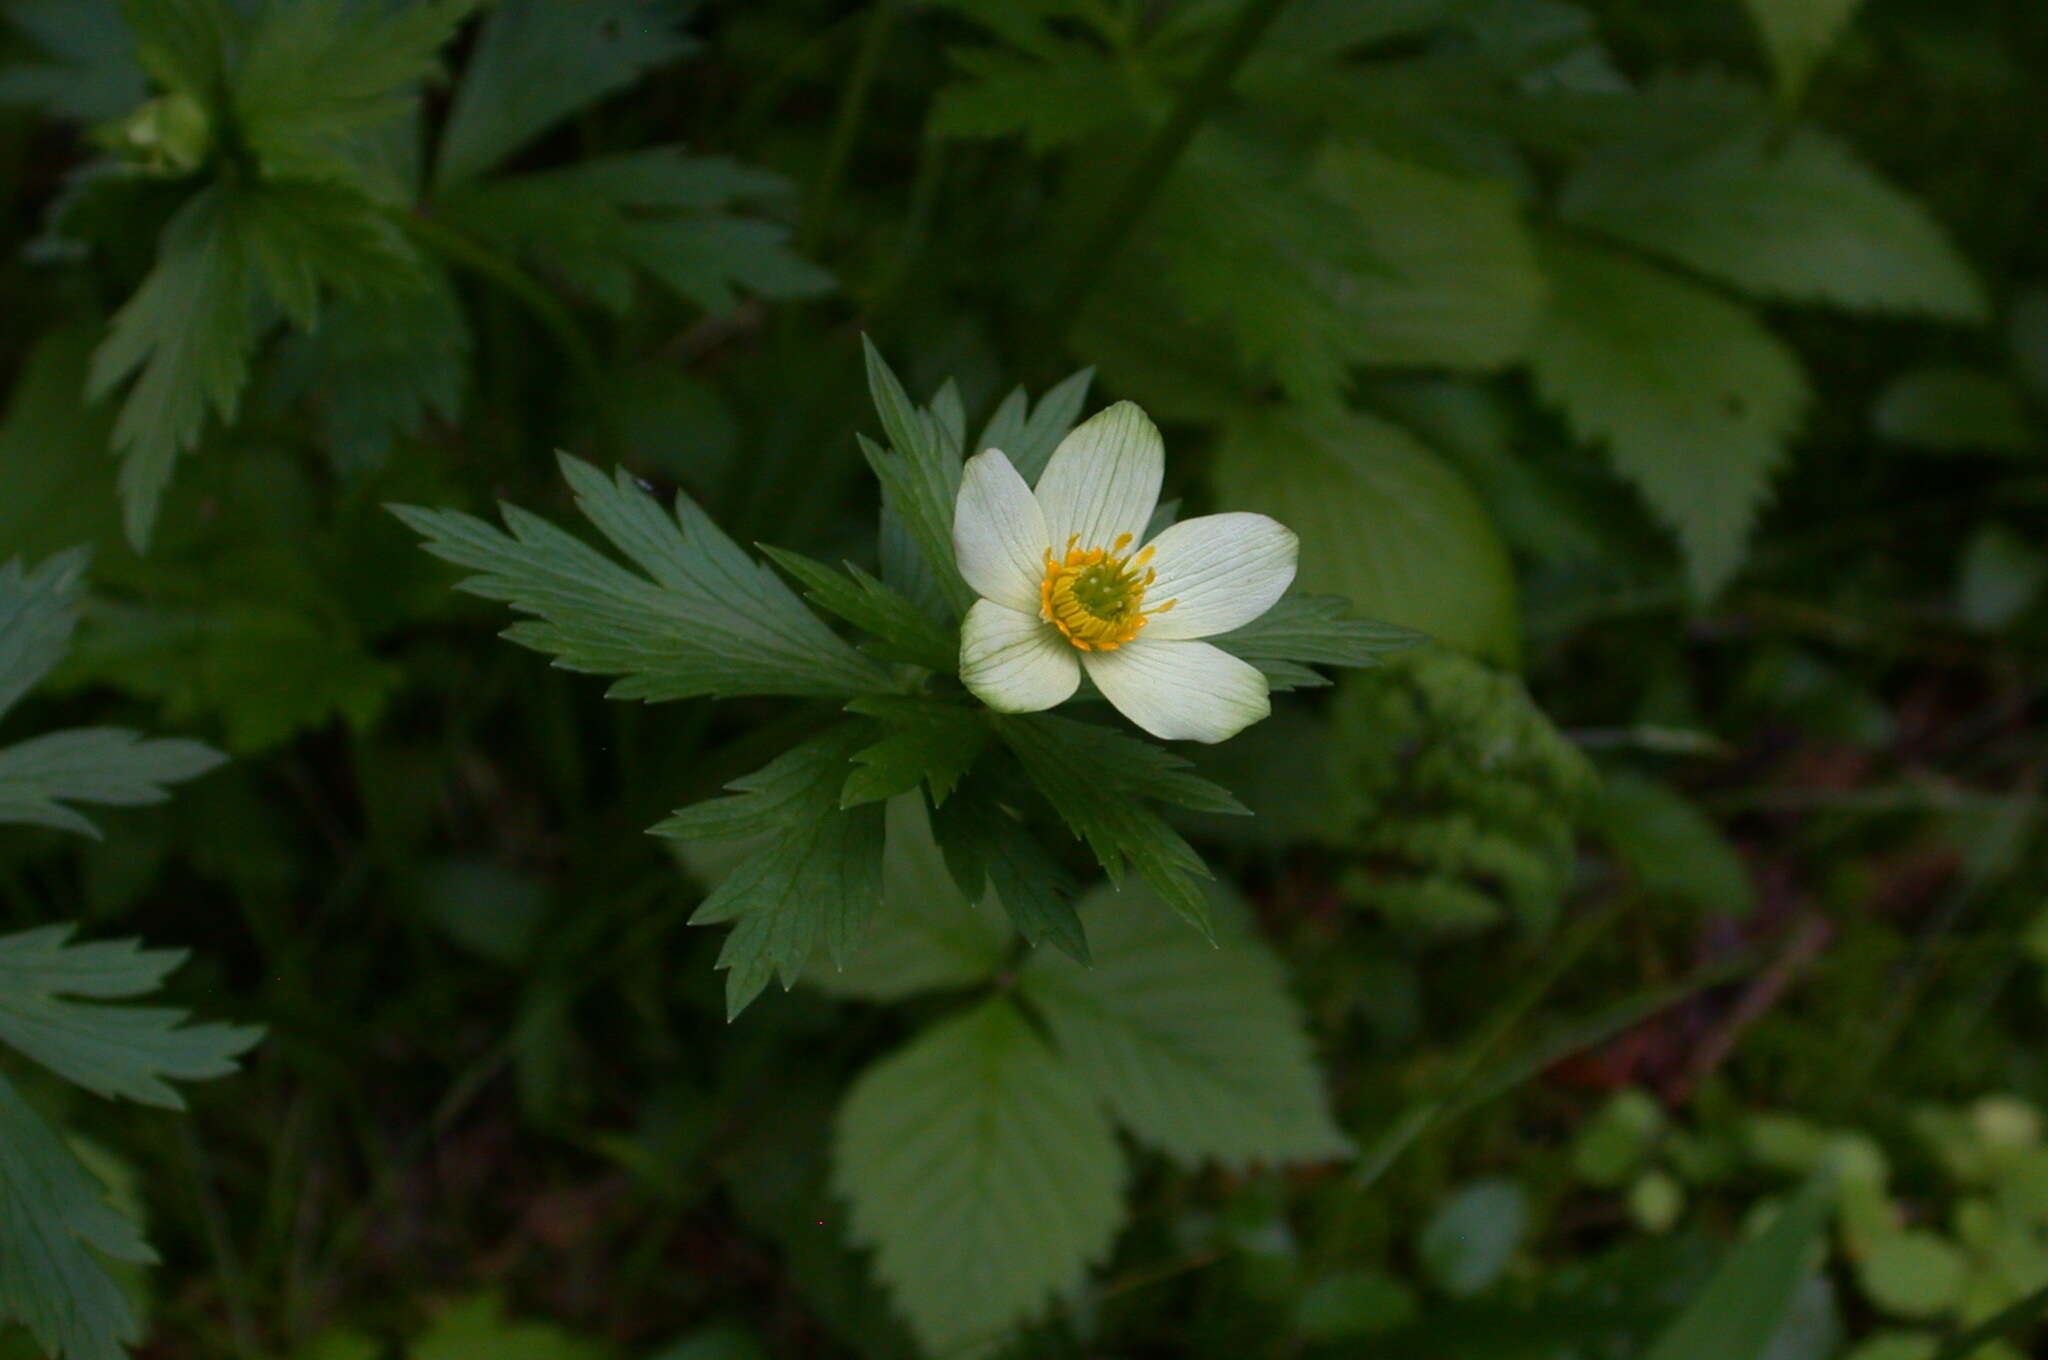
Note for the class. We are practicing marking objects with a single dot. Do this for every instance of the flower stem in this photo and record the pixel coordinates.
(1086, 266)
(853, 108)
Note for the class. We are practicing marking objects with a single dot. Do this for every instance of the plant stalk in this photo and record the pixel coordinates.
(846, 123)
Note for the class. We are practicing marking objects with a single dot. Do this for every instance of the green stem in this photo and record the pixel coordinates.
(1086, 266)
(853, 108)
(467, 253)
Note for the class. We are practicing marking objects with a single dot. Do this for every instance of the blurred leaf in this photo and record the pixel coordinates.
(925, 935)
(1353, 1303)
(1949, 407)
(2002, 576)
(2027, 337)
(56, 480)
(476, 1327)
(1802, 219)
(1755, 1287)
(1468, 1241)
(537, 61)
(814, 871)
(38, 610)
(1692, 397)
(1798, 33)
(91, 73)
(1060, 95)
(710, 621)
(920, 475)
(1383, 522)
(1673, 850)
(983, 1173)
(1614, 1143)
(1197, 1048)
(904, 631)
(1913, 1274)
(720, 1341)
(600, 223)
(488, 908)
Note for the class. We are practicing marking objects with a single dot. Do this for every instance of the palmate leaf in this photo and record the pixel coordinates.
(901, 630)
(1060, 95)
(1027, 432)
(537, 61)
(813, 872)
(988, 850)
(104, 765)
(186, 336)
(673, 218)
(1305, 630)
(919, 470)
(1195, 1047)
(705, 619)
(1693, 398)
(926, 743)
(983, 1173)
(38, 610)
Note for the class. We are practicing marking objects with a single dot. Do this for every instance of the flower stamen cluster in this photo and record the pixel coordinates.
(1096, 596)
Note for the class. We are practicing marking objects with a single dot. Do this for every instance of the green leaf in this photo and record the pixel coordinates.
(104, 765)
(1913, 1274)
(990, 849)
(1383, 522)
(56, 481)
(1467, 1243)
(477, 1326)
(91, 74)
(53, 1217)
(537, 61)
(1064, 94)
(1097, 781)
(125, 1051)
(1027, 433)
(816, 872)
(1692, 397)
(1797, 217)
(1318, 629)
(711, 621)
(1454, 282)
(1735, 1315)
(983, 1173)
(1797, 34)
(906, 633)
(2001, 578)
(38, 610)
(925, 935)
(369, 60)
(1952, 408)
(920, 476)
(1197, 1048)
(599, 224)
(927, 742)
(1670, 846)
(184, 44)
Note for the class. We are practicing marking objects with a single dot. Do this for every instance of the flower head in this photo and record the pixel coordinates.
(1064, 587)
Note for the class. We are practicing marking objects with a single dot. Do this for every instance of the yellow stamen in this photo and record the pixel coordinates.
(1096, 596)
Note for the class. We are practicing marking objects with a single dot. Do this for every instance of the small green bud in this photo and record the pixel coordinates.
(171, 133)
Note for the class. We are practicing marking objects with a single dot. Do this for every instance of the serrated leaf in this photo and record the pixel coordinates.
(815, 874)
(126, 1051)
(926, 742)
(1799, 217)
(369, 59)
(905, 632)
(1317, 629)
(926, 935)
(1798, 33)
(1052, 98)
(987, 847)
(537, 61)
(184, 44)
(1692, 397)
(983, 1173)
(673, 218)
(103, 765)
(705, 619)
(1027, 432)
(920, 476)
(38, 610)
(54, 1217)
(1383, 522)
(1196, 1048)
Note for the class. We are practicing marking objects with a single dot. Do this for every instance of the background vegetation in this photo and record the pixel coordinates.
(1650, 966)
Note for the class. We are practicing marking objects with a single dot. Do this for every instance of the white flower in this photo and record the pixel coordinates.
(1062, 590)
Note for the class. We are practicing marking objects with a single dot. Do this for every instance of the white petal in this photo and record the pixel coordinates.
(1180, 690)
(1103, 479)
(1221, 572)
(1014, 662)
(999, 533)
